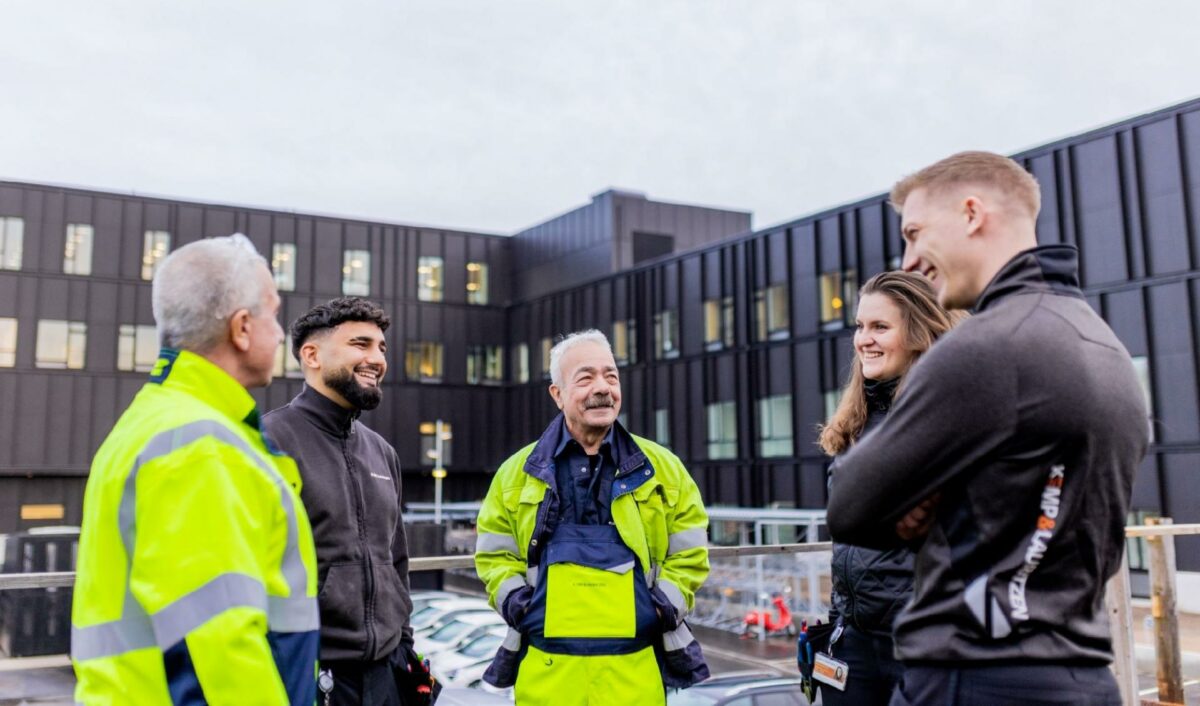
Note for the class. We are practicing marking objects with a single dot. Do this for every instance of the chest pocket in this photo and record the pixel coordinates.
(522, 505)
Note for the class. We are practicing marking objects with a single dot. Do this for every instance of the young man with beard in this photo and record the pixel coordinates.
(352, 494)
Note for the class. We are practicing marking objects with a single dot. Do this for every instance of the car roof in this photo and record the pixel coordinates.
(488, 617)
(732, 678)
(456, 603)
(750, 687)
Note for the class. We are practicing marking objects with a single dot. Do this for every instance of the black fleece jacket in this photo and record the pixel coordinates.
(1028, 417)
(352, 494)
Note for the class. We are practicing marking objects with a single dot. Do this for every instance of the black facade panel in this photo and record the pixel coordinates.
(1100, 216)
(1163, 216)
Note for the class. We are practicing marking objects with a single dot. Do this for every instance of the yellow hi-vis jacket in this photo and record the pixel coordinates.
(659, 515)
(197, 574)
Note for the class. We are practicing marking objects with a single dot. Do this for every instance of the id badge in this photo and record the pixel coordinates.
(828, 670)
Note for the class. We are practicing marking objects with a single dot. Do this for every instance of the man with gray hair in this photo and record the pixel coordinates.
(197, 573)
(592, 543)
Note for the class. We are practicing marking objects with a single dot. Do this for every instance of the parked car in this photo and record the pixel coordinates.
(420, 599)
(439, 610)
(456, 632)
(458, 696)
(481, 648)
(742, 689)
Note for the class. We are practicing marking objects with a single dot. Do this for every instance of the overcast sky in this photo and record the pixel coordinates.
(495, 115)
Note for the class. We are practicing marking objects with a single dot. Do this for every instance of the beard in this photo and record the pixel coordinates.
(359, 396)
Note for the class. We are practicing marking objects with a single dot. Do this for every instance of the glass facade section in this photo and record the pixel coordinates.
(77, 252)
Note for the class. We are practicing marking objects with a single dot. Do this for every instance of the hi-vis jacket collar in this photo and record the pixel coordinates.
(195, 375)
(628, 456)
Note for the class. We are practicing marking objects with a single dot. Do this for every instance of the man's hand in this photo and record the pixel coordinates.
(916, 524)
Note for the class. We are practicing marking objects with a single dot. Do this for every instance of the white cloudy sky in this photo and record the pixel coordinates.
(497, 114)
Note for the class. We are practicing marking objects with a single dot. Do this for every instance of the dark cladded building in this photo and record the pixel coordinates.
(733, 343)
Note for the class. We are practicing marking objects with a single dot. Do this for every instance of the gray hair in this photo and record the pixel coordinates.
(199, 286)
(567, 343)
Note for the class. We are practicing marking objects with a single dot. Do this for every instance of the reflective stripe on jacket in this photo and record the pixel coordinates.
(196, 569)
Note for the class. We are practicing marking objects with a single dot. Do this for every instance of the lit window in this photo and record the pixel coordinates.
(12, 239)
(718, 323)
(477, 283)
(155, 247)
(771, 312)
(8, 342)
(666, 334)
(485, 364)
(137, 348)
(624, 342)
(547, 345)
(286, 364)
(775, 426)
(895, 262)
(356, 273)
(521, 362)
(838, 294)
(77, 253)
(662, 427)
(722, 430)
(61, 344)
(423, 361)
(429, 444)
(1141, 366)
(429, 278)
(283, 266)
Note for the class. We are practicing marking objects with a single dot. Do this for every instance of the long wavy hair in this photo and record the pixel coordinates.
(923, 321)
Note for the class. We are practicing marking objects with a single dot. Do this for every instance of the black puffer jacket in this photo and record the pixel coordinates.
(870, 586)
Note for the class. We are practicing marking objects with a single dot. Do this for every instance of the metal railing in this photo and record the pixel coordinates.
(1118, 598)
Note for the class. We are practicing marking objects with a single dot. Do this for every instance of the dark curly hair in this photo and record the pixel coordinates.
(333, 313)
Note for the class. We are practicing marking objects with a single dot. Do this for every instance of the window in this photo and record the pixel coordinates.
(1141, 366)
(722, 430)
(485, 364)
(718, 323)
(771, 313)
(662, 427)
(624, 341)
(838, 295)
(137, 348)
(521, 362)
(1136, 550)
(895, 262)
(666, 334)
(477, 283)
(547, 344)
(61, 344)
(12, 238)
(283, 265)
(832, 399)
(423, 361)
(429, 278)
(775, 426)
(8, 342)
(429, 444)
(77, 253)
(623, 419)
(286, 364)
(356, 273)
(154, 248)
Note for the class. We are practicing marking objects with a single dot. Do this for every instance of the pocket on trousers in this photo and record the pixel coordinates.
(582, 601)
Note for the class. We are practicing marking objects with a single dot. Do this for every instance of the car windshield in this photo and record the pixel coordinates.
(482, 646)
(425, 616)
(450, 631)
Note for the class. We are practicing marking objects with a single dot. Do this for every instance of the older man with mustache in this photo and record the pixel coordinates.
(592, 544)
